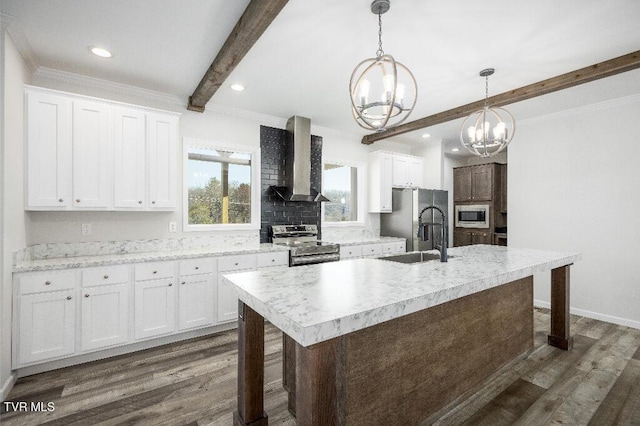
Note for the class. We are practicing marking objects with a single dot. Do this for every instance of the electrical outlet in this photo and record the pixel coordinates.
(86, 229)
(172, 227)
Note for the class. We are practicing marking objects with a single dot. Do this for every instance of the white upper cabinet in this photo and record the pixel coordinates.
(48, 133)
(92, 154)
(380, 179)
(129, 160)
(407, 171)
(91, 143)
(163, 134)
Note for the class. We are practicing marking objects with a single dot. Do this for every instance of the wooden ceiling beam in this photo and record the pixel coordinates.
(604, 69)
(255, 19)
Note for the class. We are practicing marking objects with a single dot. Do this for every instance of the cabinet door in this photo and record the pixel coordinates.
(154, 308)
(197, 304)
(162, 141)
(482, 183)
(105, 316)
(416, 173)
(462, 184)
(461, 238)
(400, 171)
(129, 161)
(380, 174)
(91, 176)
(46, 327)
(48, 151)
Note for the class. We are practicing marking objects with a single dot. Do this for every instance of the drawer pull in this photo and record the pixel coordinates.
(77, 200)
(140, 202)
(153, 202)
(68, 297)
(236, 264)
(184, 282)
(47, 283)
(155, 272)
(170, 284)
(60, 200)
(86, 295)
(273, 260)
(197, 267)
(106, 277)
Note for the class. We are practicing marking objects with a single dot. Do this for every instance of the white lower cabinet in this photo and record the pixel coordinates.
(350, 252)
(154, 312)
(46, 326)
(105, 316)
(227, 300)
(371, 250)
(197, 295)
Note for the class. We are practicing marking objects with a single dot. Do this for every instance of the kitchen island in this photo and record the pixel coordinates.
(381, 342)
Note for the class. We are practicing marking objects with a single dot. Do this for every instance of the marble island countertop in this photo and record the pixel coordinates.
(315, 303)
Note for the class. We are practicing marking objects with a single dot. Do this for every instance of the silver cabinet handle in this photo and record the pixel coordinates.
(197, 267)
(77, 200)
(60, 200)
(86, 295)
(184, 282)
(140, 202)
(47, 283)
(153, 202)
(69, 298)
(273, 260)
(106, 277)
(155, 272)
(236, 264)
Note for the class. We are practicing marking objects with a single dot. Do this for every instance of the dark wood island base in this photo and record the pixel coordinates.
(401, 371)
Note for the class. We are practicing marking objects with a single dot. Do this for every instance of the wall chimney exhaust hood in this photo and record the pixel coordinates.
(298, 164)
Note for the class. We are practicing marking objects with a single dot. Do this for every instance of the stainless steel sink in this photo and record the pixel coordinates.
(414, 257)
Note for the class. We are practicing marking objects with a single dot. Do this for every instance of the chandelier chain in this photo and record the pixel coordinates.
(379, 52)
(486, 90)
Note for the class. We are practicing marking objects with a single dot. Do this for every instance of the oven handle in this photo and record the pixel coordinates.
(311, 259)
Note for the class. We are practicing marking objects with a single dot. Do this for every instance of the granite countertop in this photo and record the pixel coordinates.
(315, 303)
(120, 258)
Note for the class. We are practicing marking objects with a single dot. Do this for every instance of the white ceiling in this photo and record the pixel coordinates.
(302, 63)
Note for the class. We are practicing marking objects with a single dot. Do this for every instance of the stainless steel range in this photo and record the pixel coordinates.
(303, 243)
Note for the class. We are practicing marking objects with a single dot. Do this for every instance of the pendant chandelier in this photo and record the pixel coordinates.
(488, 131)
(393, 86)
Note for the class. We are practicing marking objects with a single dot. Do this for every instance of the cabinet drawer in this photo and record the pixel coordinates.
(278, 258)
(371, 249)
(105, 275)
(153, 270)
(350, 252)
(236, 263)
(49, 281)
(197, 266)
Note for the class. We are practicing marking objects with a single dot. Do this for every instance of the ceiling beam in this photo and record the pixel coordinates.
(254, 21)
(604, 69)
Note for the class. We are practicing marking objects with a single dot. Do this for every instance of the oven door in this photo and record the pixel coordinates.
(472, 216)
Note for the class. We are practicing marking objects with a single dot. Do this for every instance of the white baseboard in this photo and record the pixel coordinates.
(594, 315)
(8, 385)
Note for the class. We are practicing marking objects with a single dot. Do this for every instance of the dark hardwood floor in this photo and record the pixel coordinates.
(194, 383)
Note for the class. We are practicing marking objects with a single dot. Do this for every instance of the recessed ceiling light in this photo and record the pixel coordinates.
(455, 149)
(237, 87)
(426, 135)
(100, 51)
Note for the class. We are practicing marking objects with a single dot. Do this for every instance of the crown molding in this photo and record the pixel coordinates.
(571, 112)
(21, 42)
(266, 119)
(99, 83)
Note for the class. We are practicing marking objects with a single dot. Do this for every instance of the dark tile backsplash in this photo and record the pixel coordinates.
(276, 211)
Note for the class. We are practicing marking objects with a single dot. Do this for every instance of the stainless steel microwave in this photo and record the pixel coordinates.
(472, 216)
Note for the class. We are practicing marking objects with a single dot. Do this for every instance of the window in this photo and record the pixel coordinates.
(222, 188)
(342, 184)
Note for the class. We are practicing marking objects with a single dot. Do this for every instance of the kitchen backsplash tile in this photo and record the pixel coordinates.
(276, 211)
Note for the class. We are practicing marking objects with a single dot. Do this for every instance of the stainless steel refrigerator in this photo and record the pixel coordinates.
(402, 222)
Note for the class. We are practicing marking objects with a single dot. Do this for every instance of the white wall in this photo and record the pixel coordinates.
(13, 219)
(574, 185)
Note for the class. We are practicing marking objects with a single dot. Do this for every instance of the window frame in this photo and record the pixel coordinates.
(360, 199)
(254, 152)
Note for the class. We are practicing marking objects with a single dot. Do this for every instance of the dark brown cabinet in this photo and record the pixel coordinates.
(474, 183)
(467, 237)
(482, 184)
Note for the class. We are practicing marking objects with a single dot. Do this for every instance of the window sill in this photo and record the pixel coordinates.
(342, 224)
